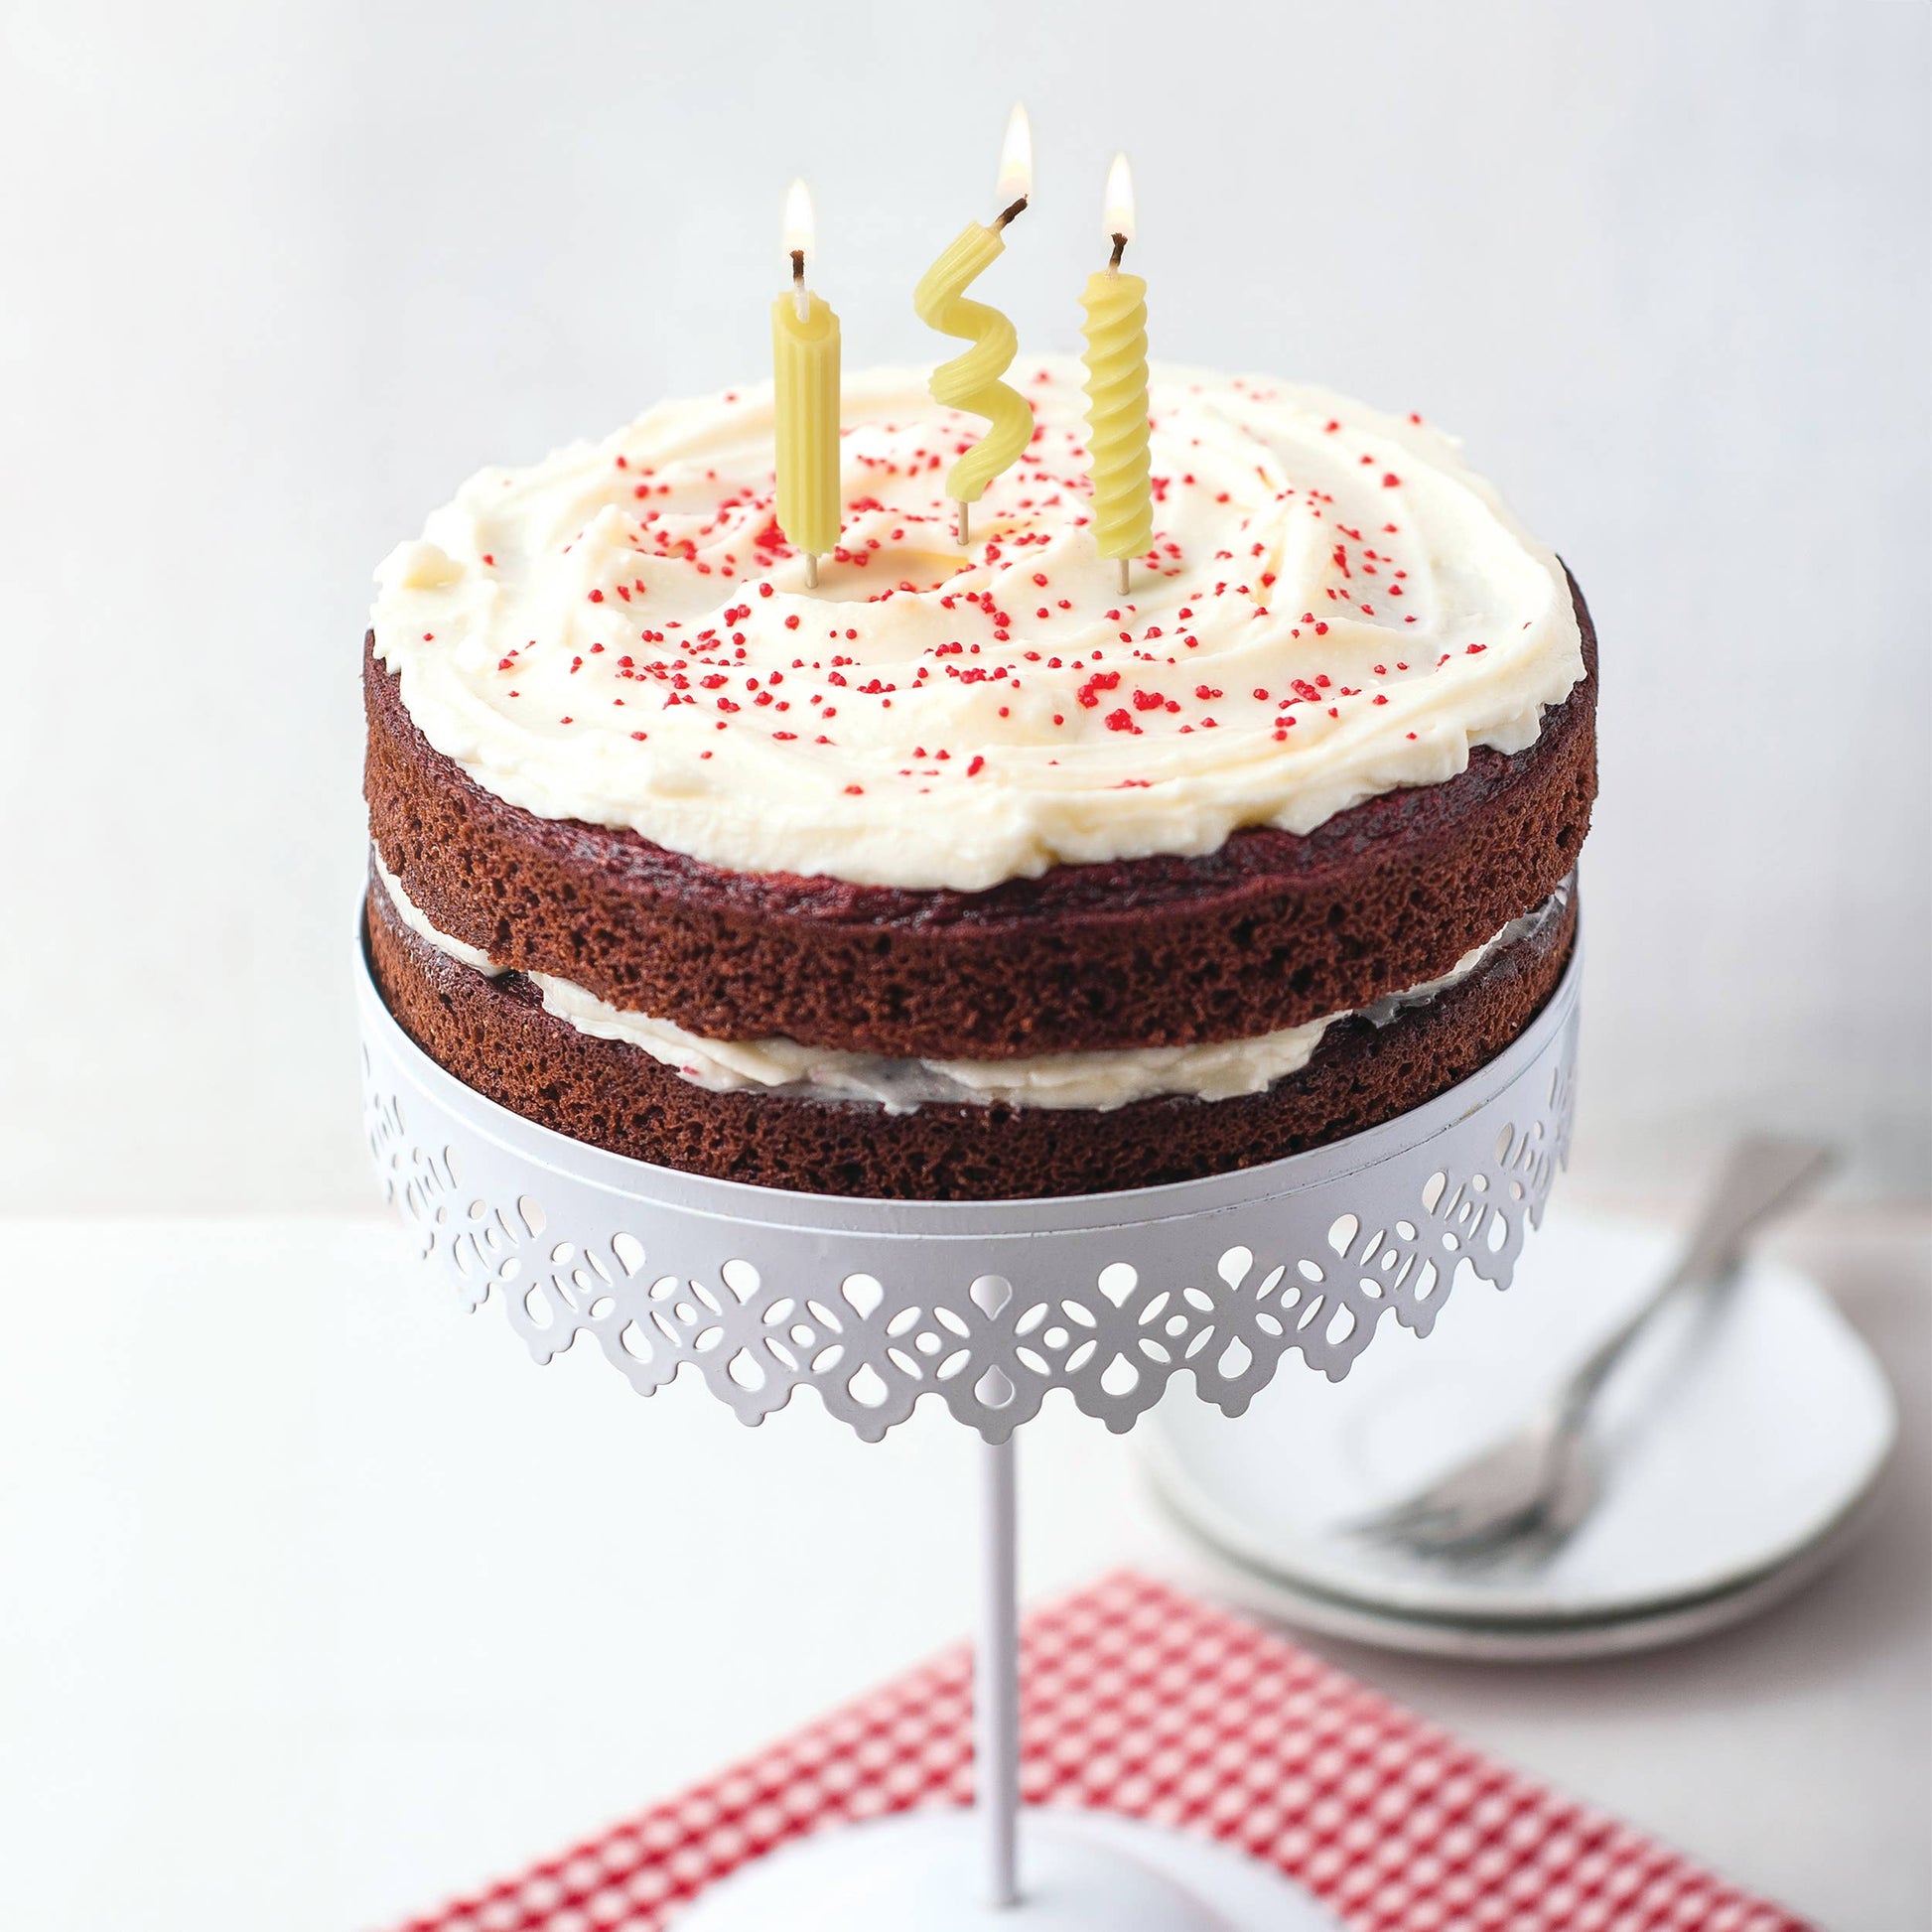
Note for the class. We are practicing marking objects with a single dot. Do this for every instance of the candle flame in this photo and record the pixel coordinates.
(799, 229)
(1016, 157)
(1118, 216)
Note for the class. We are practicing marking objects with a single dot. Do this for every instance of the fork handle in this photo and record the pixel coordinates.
(1761, 1175)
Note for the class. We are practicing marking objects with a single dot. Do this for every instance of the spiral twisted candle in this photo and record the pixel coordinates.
(805, 372)
(1116, 360)
(972, 382)
(805, 400)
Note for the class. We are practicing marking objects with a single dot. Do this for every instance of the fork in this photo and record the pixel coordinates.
(1539, 1481)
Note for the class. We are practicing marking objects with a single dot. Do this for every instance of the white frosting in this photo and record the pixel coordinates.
(417, 920)
(619, 635)
(1098, 1080)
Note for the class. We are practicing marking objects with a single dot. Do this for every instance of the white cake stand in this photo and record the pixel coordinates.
(983, 1307)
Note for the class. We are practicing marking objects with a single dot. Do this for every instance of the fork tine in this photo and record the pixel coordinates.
(1450, 1541)
(1396, 1520)
(1460, 1506)
(1421, 1516)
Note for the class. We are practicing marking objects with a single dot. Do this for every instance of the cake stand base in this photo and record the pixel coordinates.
(1085, 1871)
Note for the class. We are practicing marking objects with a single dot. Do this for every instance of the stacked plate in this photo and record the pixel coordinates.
(1738, 1446)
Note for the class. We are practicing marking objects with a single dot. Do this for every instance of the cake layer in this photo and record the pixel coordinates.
(1333, 607)
(1107, 1077)
(494, 1033)
(1272, 931)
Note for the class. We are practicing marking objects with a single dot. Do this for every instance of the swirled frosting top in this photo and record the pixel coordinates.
(1334, 606)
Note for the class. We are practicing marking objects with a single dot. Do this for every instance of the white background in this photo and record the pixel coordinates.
(275, 279)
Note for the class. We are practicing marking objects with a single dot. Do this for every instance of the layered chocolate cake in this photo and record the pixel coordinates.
(965, 875)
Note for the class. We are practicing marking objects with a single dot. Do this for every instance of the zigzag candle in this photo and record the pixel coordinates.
(972, 382)
(1116, 360)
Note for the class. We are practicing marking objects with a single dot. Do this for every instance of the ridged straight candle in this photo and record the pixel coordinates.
(972, 382)
(1117, 410)
(805, 402)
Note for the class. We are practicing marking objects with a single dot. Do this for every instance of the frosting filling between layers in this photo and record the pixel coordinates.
(1098, 1080)
(1335, 606)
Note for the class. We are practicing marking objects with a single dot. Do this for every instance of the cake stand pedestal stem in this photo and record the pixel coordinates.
(996, 1689)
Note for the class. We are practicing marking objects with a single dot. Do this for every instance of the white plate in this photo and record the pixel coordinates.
(1210, 1573)
(1743, 1435)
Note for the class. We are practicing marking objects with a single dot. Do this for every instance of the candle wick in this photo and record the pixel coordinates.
(801, 300)
(1120, 248)
(798, 263)
(1008, 213)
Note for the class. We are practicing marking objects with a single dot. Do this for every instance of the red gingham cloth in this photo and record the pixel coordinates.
(1139, 1698)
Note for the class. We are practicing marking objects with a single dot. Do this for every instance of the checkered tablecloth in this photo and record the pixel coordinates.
(1139, 1698)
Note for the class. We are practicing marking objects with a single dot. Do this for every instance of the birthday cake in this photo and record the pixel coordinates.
(966, 874)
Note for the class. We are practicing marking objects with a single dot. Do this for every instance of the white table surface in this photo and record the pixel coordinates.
(320, 1603)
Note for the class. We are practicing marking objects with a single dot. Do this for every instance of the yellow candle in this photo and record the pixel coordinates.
(1116, 360)
(972, 382)
(805, 370)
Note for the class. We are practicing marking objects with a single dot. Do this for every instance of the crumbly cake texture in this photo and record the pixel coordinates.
(495, 1035)
(1273, 930)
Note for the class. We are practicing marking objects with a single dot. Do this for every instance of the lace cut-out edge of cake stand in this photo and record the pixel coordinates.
(991, 1304)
